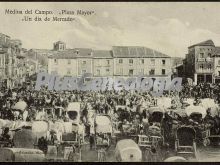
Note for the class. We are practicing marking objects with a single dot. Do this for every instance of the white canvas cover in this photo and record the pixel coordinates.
(103, 124)
(21, 155)
(74, 106)
(128, 151)
(198, 109)
(164, 102)
(67, 127)
(40, 128)
(210, 103)
(5, 123)
(189, 101)
(21, 105)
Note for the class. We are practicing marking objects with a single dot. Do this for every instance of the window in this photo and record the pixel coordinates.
(201, 66)
(209, 66)
(152, 61)
(201, 55)
(68, 71)
(163, 62)
(152, 72)
(69, 61)
(55, 61)
(142, 61)
(130, 61)
(163, 71)
(83, 71)
(108, 62)
(209, 55)
(131, 72)
(84, 62)
(120, 61)
(98, 72)
(121, 71)
(107, 70)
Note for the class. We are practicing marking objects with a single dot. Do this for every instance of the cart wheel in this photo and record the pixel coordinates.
(195, 149)
(176, 145)
(208, 141)
(205, 142)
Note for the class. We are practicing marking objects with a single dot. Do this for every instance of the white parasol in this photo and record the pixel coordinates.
(189, 101)
(103, 124)
(21, 105)
(210, 103)
(164, 102)
(195, 109)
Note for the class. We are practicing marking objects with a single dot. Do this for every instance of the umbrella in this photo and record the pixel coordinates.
(189, 101)
(164, 102)
(21, 105)
(208, 103)
(196, 109)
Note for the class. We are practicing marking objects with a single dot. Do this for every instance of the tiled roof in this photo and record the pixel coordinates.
(72, 53)
(59, 42)
(137, 51)
(102, 54)
(216, 51)
(117, 51)
(204, 43)
(42, 50)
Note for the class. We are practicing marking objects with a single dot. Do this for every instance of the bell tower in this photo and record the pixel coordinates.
(59, 46)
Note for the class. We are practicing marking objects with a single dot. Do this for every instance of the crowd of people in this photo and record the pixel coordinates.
(104, 102)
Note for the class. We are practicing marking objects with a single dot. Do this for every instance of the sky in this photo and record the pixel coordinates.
(168, 27)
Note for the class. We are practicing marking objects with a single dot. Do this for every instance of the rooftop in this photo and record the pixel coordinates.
(72, 53)
(204, 43)
(117, 51)
(59, 42)
(137, 51)
(102, 54)
(216, 52)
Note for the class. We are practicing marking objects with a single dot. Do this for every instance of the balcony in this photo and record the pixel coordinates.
(204, 59)
(204, 70)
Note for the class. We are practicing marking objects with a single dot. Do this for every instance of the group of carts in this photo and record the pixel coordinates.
(66, 138)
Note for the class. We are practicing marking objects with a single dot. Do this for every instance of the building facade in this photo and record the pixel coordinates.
(103, 63)
(12, 61)
(200, 63)
(216, 59)
(135, 61)
(120, 61)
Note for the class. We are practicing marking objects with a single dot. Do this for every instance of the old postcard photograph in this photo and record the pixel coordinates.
(109, 82)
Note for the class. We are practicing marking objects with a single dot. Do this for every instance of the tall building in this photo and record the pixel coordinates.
(63, 63)
(103, 63)
(120, 61)
(216, 59)
(59, 46)
(41, 55)
(199, 62)
(134, 61)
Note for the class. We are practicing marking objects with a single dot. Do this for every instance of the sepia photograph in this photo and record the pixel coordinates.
(109, 82)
